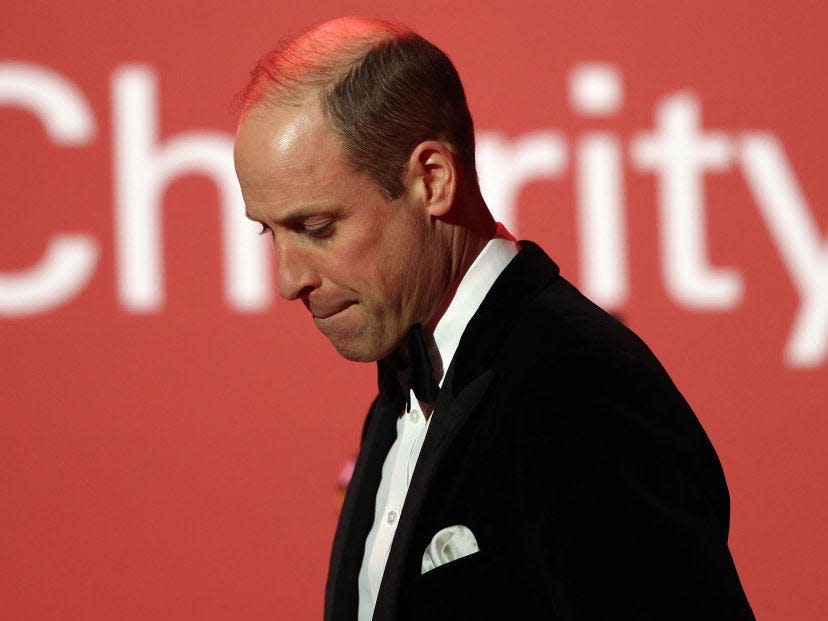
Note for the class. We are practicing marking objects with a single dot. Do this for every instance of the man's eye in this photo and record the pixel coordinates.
(265, 230)
(320, 230)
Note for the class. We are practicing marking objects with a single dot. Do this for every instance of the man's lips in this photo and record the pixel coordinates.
(323, 313)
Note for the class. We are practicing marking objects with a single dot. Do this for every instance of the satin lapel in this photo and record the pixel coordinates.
(341, 591)
(450, 414)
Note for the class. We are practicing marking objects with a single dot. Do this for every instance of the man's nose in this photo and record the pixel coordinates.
(296, 271)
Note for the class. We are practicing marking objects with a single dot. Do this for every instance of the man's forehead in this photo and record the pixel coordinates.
(280, 129)
(286, 140)
(288, 160)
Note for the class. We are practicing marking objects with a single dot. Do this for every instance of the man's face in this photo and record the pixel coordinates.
(366, 268)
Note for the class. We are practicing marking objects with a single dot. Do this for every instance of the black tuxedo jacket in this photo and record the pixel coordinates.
(561, 442)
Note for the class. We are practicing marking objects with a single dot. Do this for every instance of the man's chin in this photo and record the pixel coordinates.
(354, 354)
(356, 339)
(357, 350)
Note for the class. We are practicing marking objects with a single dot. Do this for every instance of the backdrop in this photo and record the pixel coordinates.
(173, 437)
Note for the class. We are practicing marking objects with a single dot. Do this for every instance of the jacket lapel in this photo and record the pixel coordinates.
(467, 380)
(341, 591)
(454, 412)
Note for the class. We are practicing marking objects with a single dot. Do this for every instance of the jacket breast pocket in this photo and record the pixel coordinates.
(465, 588)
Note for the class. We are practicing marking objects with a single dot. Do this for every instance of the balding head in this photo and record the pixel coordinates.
(383, 88)
(315, 60)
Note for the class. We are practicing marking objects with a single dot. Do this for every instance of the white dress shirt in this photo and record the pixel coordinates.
(412, 426)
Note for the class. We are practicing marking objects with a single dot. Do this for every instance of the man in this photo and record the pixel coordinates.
(527, 456)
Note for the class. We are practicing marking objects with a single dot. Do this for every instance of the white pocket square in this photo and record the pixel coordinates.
(450, 544)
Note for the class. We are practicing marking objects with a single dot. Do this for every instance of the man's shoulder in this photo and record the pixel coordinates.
(561, 328)
(535, 329)
(541, 307)
(565, 361)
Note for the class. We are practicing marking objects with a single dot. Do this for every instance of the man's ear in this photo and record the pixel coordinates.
(432, 170)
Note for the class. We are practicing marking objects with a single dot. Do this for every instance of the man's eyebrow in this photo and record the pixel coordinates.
(299, 214)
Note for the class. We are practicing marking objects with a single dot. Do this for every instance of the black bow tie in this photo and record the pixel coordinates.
(410, 367)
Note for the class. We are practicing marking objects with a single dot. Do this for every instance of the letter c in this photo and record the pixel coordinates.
(69, 259)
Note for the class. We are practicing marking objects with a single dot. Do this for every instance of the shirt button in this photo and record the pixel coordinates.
(415, 416)
(392, 517)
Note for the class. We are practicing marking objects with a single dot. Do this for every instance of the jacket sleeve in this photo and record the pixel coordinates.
(636, 524)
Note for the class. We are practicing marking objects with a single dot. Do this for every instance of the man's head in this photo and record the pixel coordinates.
(383, 88)
(348, 153)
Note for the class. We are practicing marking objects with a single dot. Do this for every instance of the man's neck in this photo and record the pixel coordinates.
(472, 228)
(443, 339)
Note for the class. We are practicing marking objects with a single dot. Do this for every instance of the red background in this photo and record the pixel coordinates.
(183, 463)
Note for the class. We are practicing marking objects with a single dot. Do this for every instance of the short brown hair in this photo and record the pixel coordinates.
(383, 87)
